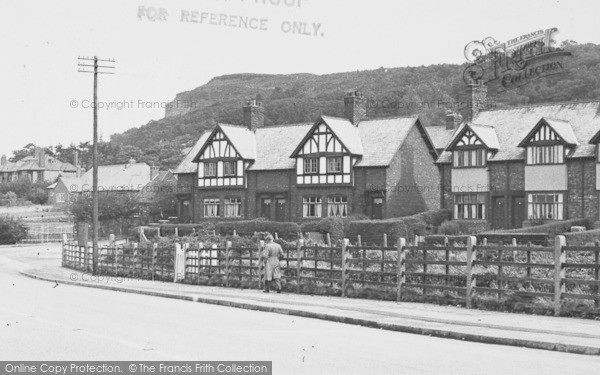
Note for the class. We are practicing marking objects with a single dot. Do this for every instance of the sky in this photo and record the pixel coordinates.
(160, 51)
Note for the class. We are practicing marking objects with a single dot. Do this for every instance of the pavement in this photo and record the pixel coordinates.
(570, 335)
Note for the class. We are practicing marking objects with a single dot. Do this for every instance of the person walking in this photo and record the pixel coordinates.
(270, 256)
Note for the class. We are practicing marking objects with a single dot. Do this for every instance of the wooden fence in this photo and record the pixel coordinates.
(555, 273)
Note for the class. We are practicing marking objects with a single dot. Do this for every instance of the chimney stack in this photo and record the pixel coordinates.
(453, 120)
(40, 155)
(153, 172)
(3, 161)
(355, 107)
(254, 116)
(477, 97)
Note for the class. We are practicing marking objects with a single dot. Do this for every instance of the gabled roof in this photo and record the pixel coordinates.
(440, 136)
(486, 134)
(513, 124)
(343, 130)
(561, 127)
(381, 139)
(346, 132)
(240, 137)
(375, 142)
(275, 144)
(31, 163)
(119, 177)
(187, 165)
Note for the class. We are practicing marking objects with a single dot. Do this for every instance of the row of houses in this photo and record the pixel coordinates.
(37, 168)
(504, 167)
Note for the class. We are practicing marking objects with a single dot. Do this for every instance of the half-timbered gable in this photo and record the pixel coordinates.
(323, 157)
(540, 171)
(225, 156)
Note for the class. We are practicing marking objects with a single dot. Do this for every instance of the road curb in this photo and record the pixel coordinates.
(449, 334)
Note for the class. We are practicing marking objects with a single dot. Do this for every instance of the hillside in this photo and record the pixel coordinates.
(303, 97)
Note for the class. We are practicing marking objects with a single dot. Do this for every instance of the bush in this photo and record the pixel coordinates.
(553, 229)
(472, 227)
(288, 231)
(582, 238)
(334, 226)
(372, 231)
(449, 228)
(309, 226)
(11, 230)
(25, 191)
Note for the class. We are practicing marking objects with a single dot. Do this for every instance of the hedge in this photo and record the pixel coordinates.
(552, 229)
(11, 230)
(372, 231)
(287, 231)
(582, 238)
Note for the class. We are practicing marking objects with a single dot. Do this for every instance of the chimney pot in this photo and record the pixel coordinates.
(3, 160)
(254, 116)
(153, 172)
(477, 97)
(40, 154)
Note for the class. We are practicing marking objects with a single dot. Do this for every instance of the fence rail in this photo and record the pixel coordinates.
(556, 273)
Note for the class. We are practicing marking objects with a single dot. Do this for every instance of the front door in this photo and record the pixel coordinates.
(498, 212)
(184, 211)
(265, 208)
(280, 209)
(376, 208)
(518, 212)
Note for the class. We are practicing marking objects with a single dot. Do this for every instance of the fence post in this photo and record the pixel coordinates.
(385, 240)
(176, 231)
(359, 239)
(276, 236)
(176, 262)
(328, 236)
(64, 249)
(401, 269)
(227, 270)
(261, 245)
(484, 241)
(471, 282)
(559, 272)
(234, 233)
(298, 263)
(345, 244)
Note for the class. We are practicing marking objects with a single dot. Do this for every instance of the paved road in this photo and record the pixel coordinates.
(42, 321)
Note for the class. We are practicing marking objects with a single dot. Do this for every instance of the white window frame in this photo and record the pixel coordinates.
(545, 206)
(211, 207)
(470, 206)
(312, 207)
(229, 168)
(311, 165)
(233, 207)
(337, 206)
(208, 171)
(335, 164)
(544, 155)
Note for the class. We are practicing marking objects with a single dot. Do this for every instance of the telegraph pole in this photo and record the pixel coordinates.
(82, 64)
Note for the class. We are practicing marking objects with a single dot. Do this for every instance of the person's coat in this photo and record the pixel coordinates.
(271, 254)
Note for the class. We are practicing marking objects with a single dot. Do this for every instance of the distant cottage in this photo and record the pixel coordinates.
(131, 177)
(37, 168)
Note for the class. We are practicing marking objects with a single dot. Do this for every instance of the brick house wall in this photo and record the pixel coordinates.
(582, 197)
(412, 180)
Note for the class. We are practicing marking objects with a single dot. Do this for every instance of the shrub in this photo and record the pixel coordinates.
(372, 231)
(11, 230)
(582, 238)
(288, 231)
(553, 229)
(334, 226)
(309, 226)
(472, 226)
(449, 228)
